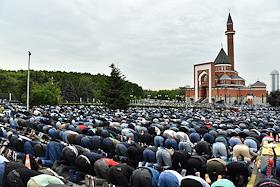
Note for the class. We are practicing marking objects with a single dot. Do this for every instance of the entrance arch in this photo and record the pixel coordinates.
(200, 71)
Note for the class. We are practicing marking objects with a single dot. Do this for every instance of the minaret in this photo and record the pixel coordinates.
(230, 45)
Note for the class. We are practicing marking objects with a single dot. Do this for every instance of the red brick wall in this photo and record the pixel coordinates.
(231, 92)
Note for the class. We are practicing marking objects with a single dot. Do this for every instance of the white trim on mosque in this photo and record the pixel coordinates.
(229, 32)
(223, 65)
(204, 68)
(200, 76)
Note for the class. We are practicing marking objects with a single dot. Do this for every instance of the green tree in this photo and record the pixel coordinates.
(114, 95)
(165, 94)
(133, 89)
(45, 94)
(73, 85)
(7, 84)
(274, 98)
(99, 84)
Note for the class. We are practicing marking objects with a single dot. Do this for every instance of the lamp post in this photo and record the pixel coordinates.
(28, 82)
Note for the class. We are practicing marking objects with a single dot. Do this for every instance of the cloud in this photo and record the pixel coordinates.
(155, 43)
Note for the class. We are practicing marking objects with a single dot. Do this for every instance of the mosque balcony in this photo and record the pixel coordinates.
(229, 32)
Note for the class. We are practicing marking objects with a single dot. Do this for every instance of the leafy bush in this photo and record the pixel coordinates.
(45, 94)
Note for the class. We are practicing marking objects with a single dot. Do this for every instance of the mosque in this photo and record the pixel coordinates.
(218, 81)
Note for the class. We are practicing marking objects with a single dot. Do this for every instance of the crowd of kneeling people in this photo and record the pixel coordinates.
(138, 147)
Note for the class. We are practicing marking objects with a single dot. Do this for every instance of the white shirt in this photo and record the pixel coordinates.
(182, 136)
(169, 134)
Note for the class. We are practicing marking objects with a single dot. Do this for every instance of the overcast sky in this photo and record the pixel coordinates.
(155, 43)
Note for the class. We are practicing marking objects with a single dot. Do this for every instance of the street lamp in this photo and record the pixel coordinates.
(28, 82)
